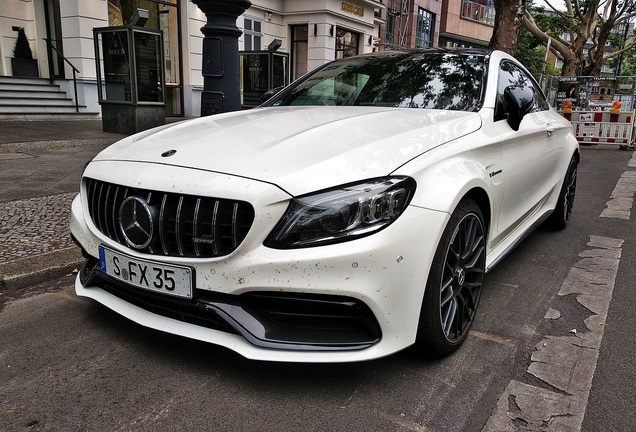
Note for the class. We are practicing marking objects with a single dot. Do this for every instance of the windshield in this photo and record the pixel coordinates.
(431, 80)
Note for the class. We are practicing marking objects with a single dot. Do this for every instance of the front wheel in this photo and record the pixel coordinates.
(454, 283)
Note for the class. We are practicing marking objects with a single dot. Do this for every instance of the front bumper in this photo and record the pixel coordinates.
(287, 321)
(352, 301)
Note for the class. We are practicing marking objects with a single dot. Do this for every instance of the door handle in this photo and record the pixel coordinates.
(550, 128)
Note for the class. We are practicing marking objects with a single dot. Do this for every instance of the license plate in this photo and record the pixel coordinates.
(162, 278)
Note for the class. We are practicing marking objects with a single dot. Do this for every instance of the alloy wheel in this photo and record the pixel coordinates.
(462, 277)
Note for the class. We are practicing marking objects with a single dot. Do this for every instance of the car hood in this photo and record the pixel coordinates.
(299, 149)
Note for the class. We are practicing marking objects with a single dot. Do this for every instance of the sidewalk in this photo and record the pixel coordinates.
(41, 163)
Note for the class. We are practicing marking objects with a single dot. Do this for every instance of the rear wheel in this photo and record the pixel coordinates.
(563, 211)
(454, 283)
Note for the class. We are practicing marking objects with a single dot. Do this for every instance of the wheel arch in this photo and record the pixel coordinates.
(480, 196)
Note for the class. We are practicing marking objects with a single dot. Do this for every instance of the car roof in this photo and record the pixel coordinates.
(436, 50)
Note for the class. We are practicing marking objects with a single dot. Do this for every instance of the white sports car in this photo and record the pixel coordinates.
(353, 215)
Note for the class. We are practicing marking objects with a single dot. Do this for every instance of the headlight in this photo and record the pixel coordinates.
(342, 213)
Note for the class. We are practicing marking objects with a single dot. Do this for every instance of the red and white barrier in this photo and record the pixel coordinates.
(602, 127)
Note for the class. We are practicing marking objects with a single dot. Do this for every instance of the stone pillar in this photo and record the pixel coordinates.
(221, 91)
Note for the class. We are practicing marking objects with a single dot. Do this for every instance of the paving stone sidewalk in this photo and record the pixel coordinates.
(40, 168)
(34, 226)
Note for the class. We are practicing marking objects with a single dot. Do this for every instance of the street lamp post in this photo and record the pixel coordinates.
(221, 91)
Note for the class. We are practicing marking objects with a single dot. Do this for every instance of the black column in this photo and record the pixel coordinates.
(220, 55)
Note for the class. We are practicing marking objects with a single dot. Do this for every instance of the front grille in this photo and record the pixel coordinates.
(183, 225)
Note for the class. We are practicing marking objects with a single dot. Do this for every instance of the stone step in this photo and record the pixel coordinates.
(37, 99)
(36, 109)
(23, 101)
(33, 94)
(50, 116)
(23, 80)
(29, 87)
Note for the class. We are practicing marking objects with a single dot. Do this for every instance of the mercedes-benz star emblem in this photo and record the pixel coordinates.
(460, 276)
(135, 222)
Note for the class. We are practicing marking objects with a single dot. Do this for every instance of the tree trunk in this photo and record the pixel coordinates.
(597, 54)
(571, 66)
(508, 22)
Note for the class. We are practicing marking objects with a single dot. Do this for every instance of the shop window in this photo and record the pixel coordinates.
(252, 35)
(347, 43)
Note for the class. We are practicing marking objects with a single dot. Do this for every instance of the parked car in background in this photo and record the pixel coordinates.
(351, 216)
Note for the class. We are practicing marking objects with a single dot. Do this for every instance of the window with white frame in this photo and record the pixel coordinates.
(252, 35)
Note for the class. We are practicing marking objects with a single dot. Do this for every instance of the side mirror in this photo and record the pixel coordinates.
(269, 94)
(519, 101)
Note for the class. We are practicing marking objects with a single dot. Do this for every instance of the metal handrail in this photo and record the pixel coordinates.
(75, 71)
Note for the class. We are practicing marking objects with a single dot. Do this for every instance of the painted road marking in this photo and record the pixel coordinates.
(564, 364)
(501, 340)
(620, 204)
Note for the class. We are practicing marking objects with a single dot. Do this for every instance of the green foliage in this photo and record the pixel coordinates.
(628, 65)
(22, 48)
(531, 53)
(552, 24)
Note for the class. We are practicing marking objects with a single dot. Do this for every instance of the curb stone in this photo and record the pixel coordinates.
(22, 273)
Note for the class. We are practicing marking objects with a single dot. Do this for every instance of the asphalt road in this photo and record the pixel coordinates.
(67, 363)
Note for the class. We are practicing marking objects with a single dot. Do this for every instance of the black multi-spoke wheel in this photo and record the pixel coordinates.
(454, 283)
(563, 211)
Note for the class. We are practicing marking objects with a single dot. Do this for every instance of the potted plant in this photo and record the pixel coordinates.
(23, 63)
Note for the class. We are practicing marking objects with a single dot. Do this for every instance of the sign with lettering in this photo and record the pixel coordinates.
(348, 7)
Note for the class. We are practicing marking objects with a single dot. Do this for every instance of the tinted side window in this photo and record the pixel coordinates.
(511, 75)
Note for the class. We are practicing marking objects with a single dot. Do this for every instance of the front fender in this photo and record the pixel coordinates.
(447, 174)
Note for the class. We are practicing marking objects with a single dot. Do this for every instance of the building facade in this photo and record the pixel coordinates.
(466, 23)
(410, 24)
(281, 40)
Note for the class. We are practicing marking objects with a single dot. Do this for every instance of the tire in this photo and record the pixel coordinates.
(562, 213)
(454, 283)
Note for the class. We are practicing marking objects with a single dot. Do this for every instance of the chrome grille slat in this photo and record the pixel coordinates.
(234, 217)
(99, 223)
(91, 187)
(186, 225)
(178, 226)
(162, 231)
(195, 228)
(114, 215)
(106, 223)
(215, 238)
